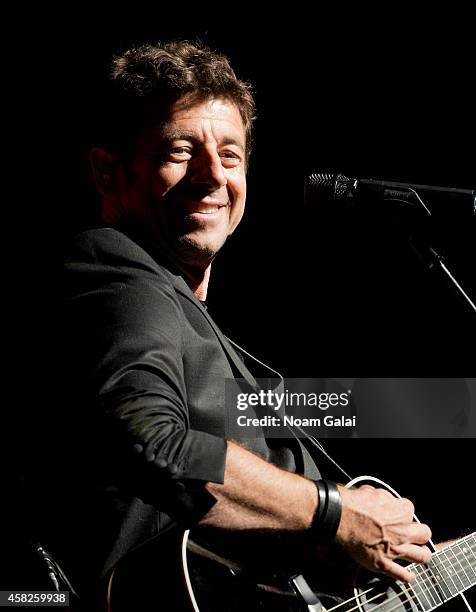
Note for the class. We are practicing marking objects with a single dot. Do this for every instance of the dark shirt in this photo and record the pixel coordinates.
(138, 423)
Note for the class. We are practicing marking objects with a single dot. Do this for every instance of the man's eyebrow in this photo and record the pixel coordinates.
(169, 135)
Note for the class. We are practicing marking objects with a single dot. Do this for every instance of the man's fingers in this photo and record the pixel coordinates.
(418, 533)
(395, 571)
(412, 552)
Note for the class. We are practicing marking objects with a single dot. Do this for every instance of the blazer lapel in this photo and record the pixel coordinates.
(242, 371)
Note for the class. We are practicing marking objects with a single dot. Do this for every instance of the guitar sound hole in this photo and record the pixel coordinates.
(382, 596)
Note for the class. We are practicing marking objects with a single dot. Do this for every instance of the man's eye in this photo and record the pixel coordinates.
(181, 151)
(230, 158)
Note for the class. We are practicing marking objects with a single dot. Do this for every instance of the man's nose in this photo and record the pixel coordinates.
(207, 171)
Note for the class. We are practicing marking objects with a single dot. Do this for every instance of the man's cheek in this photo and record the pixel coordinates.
(236, 214)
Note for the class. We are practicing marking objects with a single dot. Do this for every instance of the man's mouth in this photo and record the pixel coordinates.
(203, 208)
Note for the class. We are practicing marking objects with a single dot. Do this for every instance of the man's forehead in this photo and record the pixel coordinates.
(186, 118)
(190, 106)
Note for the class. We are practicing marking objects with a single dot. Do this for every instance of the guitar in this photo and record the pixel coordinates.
(209, 581)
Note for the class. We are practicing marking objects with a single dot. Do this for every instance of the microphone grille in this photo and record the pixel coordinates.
(321, 183)
(333, 186)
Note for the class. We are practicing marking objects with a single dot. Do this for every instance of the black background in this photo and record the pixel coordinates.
(313, 292)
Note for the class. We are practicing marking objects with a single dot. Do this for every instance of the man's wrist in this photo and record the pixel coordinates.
(327, 516)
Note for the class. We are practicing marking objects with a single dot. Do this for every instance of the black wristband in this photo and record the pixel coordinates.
(327, 516)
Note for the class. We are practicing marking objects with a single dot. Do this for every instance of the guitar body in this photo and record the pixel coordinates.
(184, 577)
(187, 573)
(210, 590)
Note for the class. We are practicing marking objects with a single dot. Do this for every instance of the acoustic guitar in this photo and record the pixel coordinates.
(199, 578)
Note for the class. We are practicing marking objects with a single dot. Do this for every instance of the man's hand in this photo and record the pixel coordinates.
(376, 528)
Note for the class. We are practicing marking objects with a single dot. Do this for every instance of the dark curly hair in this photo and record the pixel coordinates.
(146, 80)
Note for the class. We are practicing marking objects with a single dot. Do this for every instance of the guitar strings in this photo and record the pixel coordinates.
(430, 590)
(422, 590)
(419, 575)
(432, 578)
(415, 597)
(443, 566)
(396, 596)
(461, 554)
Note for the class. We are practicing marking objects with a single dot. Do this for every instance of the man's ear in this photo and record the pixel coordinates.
(106, 172)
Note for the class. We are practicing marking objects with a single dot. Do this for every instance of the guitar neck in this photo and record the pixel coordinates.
(451, 571)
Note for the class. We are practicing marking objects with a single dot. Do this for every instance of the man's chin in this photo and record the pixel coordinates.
(197, 253)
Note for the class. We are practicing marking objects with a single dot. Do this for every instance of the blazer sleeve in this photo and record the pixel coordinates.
(127, 325)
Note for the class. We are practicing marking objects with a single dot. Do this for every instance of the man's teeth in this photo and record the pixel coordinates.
(204, 209)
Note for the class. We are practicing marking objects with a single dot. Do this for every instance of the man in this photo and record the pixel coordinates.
(143, 443)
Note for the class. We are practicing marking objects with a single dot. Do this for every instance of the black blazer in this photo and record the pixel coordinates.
(139, 426)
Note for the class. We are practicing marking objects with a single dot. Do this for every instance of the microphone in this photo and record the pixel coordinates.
(341, 188)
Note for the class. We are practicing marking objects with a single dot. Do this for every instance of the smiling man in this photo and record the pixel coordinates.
(143, 440)
(185, 189)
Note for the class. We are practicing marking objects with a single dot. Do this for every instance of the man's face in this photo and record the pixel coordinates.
(187, 184)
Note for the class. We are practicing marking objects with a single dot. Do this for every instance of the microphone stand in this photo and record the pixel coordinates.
(428, 254)
(435, 260)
